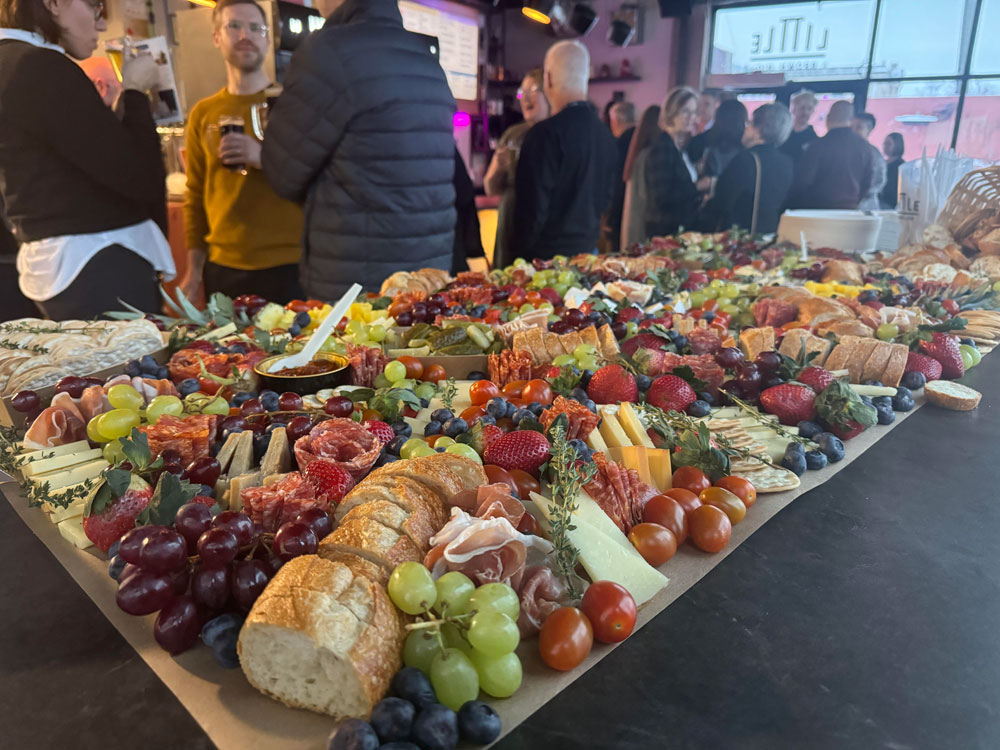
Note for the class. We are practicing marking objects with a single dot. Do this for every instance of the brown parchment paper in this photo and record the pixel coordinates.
(236, 717)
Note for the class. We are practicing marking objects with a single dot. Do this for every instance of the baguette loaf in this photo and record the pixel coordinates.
(322, 637)
(373, 541)
(408, 494)
(895, 366)
(417, 525)
(877, 361)
(856, 362)
(359, 565)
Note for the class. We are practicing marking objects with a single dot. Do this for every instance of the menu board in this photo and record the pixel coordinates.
(458, 36)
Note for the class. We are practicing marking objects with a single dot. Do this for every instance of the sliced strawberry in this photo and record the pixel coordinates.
(106, 526)
(379, 429)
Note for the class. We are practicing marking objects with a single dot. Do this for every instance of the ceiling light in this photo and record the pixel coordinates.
(538, 10)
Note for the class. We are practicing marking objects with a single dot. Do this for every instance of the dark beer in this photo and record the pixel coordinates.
(231, 124)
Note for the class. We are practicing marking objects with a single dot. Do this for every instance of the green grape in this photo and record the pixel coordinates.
(424, 450)
(113, 452)
(218, 406)
(525, 308)
(566, 277)
(887, 331)
(425, 390)
(730, 291)
(499, 676)
(716, 284)
(974, 354)
(377, 333)
(697, 299)
(520, 262)
(453, 592)
(564, 359)
(118, 423)
(453, 638)
(546, 306)
(559, 260)
(587, 363)
(554, 318)
(493, 634)
(583, 350)
(561, 289)
(381, 381)
(354, 327)
(729, 308)
(420, 649)
(454, 679)
(631, 329)
(753, 288)
(711, 292)
(459, 449)
(966, 359)
(444, 441)
(496, 597)
(395, 371)
(410, 446)
(123, 396)
(164, 405)
(411, 588)
(93, 434)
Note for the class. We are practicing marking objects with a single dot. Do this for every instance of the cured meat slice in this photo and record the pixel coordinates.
(774, 312)
(704, 341)
(190, 436)
(93, 401)
(55, 426)
(342, 442)
(619, 492)
(582, 420)
(366, 364)
(541, 593)
(510, 365)
(186, 363)
(269, 507)
(495, 501)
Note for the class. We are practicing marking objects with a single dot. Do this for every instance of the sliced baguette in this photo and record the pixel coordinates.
(841, 353)
(856, 362)
(415, 525)
(373, 541)
(409, 494)
(445, 473)
(609, 345)
(895, 367)
(876, 363)
(322, 638)
(950, 395)
(361, 566)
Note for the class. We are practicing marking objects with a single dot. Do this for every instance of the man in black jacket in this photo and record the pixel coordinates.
(362, 135)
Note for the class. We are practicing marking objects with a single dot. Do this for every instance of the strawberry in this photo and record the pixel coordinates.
(628, 314)
(612, 385)
(789, 402)
(944, 349)
(482, 436)
(642, 341)
(843, 411)
(329, 479)
(524, 449)
(930, 367)
(848, 430)
(204, 500)
(380, 430)
(105, 521)
(671, 393)
(650, 362)
(817, 378)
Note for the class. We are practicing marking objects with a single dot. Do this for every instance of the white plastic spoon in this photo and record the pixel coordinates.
(320, 335)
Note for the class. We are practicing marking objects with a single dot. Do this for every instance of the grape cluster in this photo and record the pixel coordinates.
(422, 311)
(203, 567)
(467, 639)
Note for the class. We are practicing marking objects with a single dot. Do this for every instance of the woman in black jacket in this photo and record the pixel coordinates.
(751, 191)
(672, 198)
(724, 140)
(893, 148)
(77, 182)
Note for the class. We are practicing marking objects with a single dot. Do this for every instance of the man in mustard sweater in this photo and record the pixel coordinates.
(241, 237)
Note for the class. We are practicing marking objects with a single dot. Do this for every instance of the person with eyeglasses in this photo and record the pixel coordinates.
(79, 184)
(499, 177)
(242, 238)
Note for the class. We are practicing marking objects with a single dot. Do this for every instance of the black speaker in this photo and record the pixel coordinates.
(674, 8)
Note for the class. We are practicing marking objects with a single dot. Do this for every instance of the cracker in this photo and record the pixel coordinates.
(772, 479)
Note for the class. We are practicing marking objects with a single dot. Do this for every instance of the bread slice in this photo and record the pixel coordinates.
(609, 344)
(588, 336)
(896, 365)
(753, 341)
(876, 362)
(416, 526)
(950, 395)
(841, 353)
(410, 495)
(792, 342)
(532, 342)
(570, 341)
(552, 346)
(856, 362)
(445, 473)
(323, 638)
(359, 565)
(373, 541)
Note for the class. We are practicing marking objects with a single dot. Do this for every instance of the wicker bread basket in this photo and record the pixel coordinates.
(975, 197)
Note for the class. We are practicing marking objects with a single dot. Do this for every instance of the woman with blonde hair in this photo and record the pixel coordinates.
(672, 196)
(634, 176)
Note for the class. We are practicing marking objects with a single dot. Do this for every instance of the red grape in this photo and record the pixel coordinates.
(72, 385)
(289, 401)
(233, 423)
(728, 357)
(405, 319)
(619, 329)
(177, 627)
(210, 587)
(217, 547)
(163, 551)
(749, 379)
(128, 570)
(339, 406)
(132, 541)
(574, 317)
(25, 401)
(144, 593)
(204, 470)
(171, 461)
(192, 520)
(248, 581)
(298, 427)
(316, 519)
(294, 539)
(250, 407)
(181, 578)
(560, 327)
(238, 523)
(768, 362)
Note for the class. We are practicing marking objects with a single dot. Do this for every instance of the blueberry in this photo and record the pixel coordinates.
(512, 409)
(424, 403)
(578, 394)
(432, 428)
(795, 463)
(708, 316)
(239, 347)
(413, 685)
(163, 373)
(113, 549)
(904, 391)
(967, 341)
(585, 377)
(216, 628)
(902, 403)
(589, 403)
(392, 719)
(831, 445)
(488, 419)
(207, 491)
(441, 415)
(873, 382)
(886, 414)
(148, 365)
(867, 400)
(116, 566)
(699, 408)
(815, 460)
(497, 407)
(436, 728)
(579, 446)
(809, 429)
(643, 382)
(402, 428)
(396, 444)
(536, 408)
(241, 398)
(303, 319)
(294, 329)
(680, 342)
(399, 745)
(914, 380)
(455, 427)
(476, 375)
(522, 414)
(260, 444)
(883, 401)
(386, 458)
(795, 449)
(478, 723)
(224, 650)
(353, 734)
(188, 386)
(269, 400)
(868, 295)
(230, 431)
(132, 368)
(706, 397)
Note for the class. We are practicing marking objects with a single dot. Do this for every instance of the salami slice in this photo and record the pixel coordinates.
(342, 442)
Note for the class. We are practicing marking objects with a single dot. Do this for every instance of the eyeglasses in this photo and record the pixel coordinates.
(521, 93)
(98, 9)
(235, 28)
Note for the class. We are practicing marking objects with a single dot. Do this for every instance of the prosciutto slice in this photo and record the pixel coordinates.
(541, 593)
(495, 501)
(57, 425)
(93, 401)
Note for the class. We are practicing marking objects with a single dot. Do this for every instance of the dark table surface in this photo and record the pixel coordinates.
(864, 615)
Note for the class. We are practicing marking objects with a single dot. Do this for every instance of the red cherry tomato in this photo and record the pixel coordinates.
(498, 475)
(611, 611)
(685, 498)
(482, 391)
(669, 513)
(525, 483)
(690, 478)
(741, 487)
(473, 413)
(414, 367)
(537, 390)
(297, 306)
(514, 389)
(315, 304)
(367, 414)
(565, 639)
(435, 374)
(528, 525)
(710, 528)
(655, 543)
(725, 501)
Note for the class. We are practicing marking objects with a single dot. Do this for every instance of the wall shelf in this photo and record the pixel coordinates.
(616, 79)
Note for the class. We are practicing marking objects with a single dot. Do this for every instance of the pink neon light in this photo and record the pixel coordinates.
(461, 120)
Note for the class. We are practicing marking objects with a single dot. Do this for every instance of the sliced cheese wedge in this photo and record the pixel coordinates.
(238, 484)
(55, 450)
(660, 469)
(611, 430)
(278, 458)
(595, 441)
(629, 421)
(58, 463)
(72, 531)
(74, 509)
(59, 479)
(243, 455)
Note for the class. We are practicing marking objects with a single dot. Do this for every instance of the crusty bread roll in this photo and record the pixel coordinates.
(361, 566)
(409, 494)
(323, 638)
(415, 525)
(373, 541)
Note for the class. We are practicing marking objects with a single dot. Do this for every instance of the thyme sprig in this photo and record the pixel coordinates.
(34, 348)
(448, 392)
(567, 474)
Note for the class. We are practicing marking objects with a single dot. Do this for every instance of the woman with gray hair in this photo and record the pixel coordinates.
(752, 189)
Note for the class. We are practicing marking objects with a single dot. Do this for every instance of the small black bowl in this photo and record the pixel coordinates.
(304, 384)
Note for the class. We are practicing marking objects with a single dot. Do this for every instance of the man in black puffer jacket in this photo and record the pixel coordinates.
(363, 136)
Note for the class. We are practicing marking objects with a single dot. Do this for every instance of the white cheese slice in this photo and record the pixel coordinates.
(629, 421)
(58, 463)
(74, 509)
(59, 479)
(72, 531)
(611, 430)
(55, 450)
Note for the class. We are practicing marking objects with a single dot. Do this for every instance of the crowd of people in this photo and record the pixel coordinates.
(358, 174)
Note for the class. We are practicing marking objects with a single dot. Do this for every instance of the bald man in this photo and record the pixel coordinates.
(100, 72)
(835, 171)
(566, 171)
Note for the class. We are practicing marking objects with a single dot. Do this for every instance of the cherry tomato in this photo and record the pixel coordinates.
(514, 388)
(690, 478)
(498, 475)
(414, 367)
(537, 390)
(565, 639)
(517, 297)
(525, 483)
(950, 306)
(435, 374)
(611, 611)
(315, 304)
(367, 414)
(482, 391)
(533, 297)
(741, 487)
(297, 306)
(685, 498)
(710, 528)
(669, 513)
(528, 525)
(398, 307)
(710, 304)
(725, 501)
(473, 413)
(655, 543)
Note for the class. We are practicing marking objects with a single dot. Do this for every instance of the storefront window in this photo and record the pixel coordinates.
(922, 111)
(931, 46)
(979, 131)
(986, 51)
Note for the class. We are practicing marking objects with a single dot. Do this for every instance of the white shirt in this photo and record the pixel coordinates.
(48, 266)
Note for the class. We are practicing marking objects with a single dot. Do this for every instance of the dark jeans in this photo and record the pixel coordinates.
(114, 273)
(279, 284)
